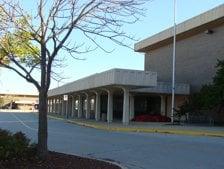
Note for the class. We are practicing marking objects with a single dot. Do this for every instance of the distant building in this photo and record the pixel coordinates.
(120, 94)
(18, 101)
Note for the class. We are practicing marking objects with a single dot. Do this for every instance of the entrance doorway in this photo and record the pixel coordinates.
(147, 105)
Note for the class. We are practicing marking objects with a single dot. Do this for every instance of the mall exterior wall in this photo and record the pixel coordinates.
(196, 59)
(62, 100)
(119, 77)
(200, 43)
(22, 101)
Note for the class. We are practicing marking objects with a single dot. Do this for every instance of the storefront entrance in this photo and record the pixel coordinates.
(147, 105)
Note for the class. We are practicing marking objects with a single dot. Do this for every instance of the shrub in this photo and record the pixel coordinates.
(15, 145)
(151, 118)
(209, 101)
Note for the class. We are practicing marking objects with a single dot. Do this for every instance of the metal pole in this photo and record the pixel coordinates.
(174, 61)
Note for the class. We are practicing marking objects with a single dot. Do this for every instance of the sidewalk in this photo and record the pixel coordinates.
(147, 127)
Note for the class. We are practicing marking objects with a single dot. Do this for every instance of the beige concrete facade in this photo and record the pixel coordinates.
(197, 52)
(119, 77)
(196, 59)
(21, 101)
(123, 94)
(191, 27)
(83, 98)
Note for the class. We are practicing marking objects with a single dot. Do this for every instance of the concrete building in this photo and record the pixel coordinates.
(18, 101)
(200, 42)
(122, 94)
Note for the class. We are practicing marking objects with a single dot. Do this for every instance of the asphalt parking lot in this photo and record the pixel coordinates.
(132, 150)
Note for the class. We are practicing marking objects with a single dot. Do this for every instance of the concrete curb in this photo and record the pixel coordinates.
(147, 130)
(111, 162)
(107, 161)
(99, 159)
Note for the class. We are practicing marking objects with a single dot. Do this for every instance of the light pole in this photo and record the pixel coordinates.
(174, 61)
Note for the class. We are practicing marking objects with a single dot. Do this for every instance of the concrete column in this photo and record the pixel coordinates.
(110, 107)
(60, 106)
(57, 110)
(54, 105)
(61, 103)
(125, 118)
(51, 106)
(132, 107)
(87, 106)
(63, 107)
(97, 106)
(70, 106)
(80, 106)
(48, 105)
(66, 108)
(73, 107)
(163, 105)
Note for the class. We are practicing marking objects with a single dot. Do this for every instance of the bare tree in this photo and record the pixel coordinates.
(50, 30)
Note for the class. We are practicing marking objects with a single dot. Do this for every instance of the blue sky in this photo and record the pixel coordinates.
(158, 17)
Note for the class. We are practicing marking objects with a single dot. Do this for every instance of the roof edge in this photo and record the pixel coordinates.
(185, 29)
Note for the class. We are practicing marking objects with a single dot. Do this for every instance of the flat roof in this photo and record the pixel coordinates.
(113, 77)
(195, 25)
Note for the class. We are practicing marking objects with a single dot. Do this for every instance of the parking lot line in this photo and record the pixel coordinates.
(22, 122)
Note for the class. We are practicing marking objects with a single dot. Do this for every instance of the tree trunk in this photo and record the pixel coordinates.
(42, 129)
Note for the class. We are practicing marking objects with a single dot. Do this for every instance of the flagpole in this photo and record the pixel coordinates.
(174, 61)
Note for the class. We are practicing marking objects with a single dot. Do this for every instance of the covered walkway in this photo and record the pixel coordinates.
(111, 96)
